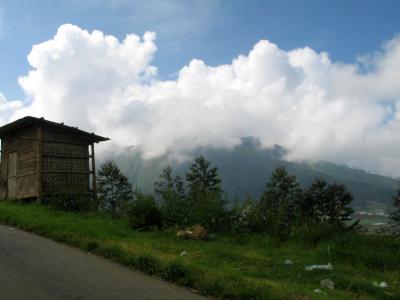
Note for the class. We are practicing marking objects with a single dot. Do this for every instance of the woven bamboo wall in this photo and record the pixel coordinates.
(65, 162)
(24, 143)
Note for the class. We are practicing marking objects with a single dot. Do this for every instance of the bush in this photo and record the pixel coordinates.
(144, 213)
(72, 200)
(245, 218)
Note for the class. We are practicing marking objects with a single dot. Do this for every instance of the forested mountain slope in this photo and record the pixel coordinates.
(246, 169)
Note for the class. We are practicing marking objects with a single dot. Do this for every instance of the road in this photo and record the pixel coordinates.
(32, 267)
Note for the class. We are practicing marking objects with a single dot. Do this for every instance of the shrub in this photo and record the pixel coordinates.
(245, 218)
(144, 213)
(72, 200)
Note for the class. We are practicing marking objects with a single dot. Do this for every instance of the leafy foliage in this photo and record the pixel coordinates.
(114, 189)
(245, 218)
(144, 213)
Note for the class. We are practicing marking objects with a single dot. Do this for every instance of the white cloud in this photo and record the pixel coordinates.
(8, 108)
(300, 99)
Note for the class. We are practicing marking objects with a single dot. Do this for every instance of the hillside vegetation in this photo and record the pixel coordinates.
(248, 266)
(290, 243)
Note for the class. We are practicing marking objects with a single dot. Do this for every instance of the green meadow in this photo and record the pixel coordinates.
(227, 266)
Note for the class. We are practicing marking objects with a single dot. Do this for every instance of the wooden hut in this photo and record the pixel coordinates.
(42, 158)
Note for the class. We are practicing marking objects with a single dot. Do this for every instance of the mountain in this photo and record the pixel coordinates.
(246, 169)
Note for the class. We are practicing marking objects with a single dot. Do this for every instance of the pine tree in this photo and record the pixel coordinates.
(336, 207)
(205, 201)
(395, 215)
(279, 205)
(202, 176)
(114, 189)
(170, 193)
(314, 205)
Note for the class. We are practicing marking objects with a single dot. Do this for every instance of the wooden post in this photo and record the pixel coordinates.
(94, 187)
(39, 163)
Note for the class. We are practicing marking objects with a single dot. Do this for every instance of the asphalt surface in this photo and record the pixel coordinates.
(32, 267)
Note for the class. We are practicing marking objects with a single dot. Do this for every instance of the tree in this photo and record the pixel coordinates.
(314, 205)
(114, 189)
(202, 176)
(280, 202)
(395, 214)
(205, 201)
(326, 203)
(336, 207)
(170, 192)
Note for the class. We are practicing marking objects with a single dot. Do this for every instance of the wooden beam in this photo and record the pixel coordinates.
(39, 162)
(66, 156)
(94, 186)
(66, 172)
(66, 142)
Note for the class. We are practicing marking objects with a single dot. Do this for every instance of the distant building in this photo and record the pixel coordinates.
(42, 158)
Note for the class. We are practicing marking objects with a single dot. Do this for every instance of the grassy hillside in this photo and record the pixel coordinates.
(246, 169)
(229, 267)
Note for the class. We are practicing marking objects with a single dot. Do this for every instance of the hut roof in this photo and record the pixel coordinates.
(29, 121)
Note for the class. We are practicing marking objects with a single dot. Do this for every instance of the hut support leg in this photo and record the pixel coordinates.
(39, 163)
(94, 187)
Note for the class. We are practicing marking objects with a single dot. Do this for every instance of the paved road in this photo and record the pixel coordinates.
(32, 267)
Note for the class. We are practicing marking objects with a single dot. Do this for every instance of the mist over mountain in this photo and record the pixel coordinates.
(246, 169)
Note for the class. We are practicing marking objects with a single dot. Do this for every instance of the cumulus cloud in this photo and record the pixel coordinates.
(300, 99)
(8, 108)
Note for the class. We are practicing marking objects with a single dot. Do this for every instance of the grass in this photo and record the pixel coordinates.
(230, 267)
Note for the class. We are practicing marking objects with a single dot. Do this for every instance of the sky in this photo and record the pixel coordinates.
(321, 78)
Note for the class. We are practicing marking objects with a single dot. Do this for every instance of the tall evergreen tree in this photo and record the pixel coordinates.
(336, 207)
(326, 203)
(314, 205)
(170, 192)
(114, 189)
(202, 176)
(280, 202)
(206, 204)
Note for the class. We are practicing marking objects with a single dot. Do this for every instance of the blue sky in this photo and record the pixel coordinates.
(215, 31)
